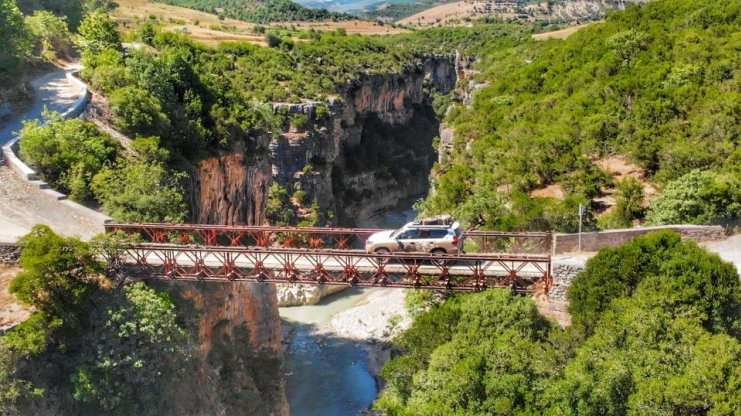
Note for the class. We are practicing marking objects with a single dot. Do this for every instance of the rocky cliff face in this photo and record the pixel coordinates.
(238, 364)
(361, 151)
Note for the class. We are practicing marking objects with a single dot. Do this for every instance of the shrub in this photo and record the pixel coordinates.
(697, 198)
(67, 152)
(299, 120)
(301, 197)
(136, 110)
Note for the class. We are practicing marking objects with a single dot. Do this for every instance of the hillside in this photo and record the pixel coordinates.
(657, 84)
(429, 13)
(211, 29)
(259, 11)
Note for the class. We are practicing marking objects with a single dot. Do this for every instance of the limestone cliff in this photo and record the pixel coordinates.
(369, 147)
(238, 364)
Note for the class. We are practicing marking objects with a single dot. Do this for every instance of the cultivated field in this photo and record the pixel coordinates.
(558, 34)
(207, 28)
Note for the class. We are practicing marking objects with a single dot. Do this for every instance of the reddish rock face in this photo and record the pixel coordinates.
(373, 148)
(231, 188)
(238, 366)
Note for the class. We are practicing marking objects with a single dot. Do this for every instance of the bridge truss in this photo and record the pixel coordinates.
(316, 237)
(467, 272)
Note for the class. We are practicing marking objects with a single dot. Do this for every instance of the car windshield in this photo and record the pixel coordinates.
(395, 233)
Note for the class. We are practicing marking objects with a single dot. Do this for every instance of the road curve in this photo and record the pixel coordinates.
(52, 91)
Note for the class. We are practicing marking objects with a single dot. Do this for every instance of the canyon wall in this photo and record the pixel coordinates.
(237, 364)
(358, 152)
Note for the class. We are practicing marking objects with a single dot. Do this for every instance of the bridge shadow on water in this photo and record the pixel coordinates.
(325, 374)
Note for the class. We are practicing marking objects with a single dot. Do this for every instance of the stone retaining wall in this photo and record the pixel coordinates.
(9, 253)
(563, 272)
(594, 241)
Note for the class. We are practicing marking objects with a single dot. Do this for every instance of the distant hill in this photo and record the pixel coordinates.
(257, 11)
(425, 13)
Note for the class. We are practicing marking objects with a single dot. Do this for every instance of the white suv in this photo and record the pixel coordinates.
(430, 235)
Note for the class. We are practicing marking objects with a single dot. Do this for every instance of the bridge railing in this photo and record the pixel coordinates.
(465, 272)
(508, 242)
(317, 237)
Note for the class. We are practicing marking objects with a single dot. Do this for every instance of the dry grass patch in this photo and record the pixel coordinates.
(559, 34)
(207, 28)
(11, 310)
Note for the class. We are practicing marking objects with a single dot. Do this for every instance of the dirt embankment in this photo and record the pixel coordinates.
(12, 312)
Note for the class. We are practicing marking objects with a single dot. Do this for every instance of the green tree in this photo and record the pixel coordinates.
(13, 41)
(98, 32)
(67, 152)
(51, 32)
(57, 272)
(697, 198)
(140, 192)
(137, 111)
(136, 348)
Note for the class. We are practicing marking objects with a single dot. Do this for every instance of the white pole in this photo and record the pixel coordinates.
(581, 214)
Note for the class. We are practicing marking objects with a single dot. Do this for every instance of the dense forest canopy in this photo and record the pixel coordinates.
(259, 11)
(655, 332)
(658, 83)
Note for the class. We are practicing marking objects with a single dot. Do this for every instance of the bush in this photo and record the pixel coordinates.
(68, 152)
(299, 120)
(138, 191)
(301, 197)
(698, 198)
(56, 272)
(137, 111)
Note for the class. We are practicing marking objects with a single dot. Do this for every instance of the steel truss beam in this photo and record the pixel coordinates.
(469, 272)
(316, 237)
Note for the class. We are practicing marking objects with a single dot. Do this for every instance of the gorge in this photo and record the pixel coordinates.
(372, 148)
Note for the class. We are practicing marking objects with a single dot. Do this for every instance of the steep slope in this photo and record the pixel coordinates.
(657, 83)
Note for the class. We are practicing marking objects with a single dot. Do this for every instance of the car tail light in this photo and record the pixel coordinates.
(455, 239)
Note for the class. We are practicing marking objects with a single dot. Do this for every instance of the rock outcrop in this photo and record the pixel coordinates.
(238, 363)
(299, 294)
(360, 151)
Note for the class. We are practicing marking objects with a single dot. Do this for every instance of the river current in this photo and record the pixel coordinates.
(327, 375)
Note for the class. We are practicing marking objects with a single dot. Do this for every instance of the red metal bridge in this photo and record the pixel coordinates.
(327, 256)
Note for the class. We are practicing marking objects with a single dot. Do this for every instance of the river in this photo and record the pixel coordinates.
(328, 374)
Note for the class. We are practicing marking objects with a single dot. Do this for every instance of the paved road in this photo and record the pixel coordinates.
(22, 205)
(53, 91)
(728, 249)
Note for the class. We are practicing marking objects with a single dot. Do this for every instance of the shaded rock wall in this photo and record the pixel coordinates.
(238, 366)
(371, 149)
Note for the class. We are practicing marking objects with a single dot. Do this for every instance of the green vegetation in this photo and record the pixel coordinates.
(658, 83)
(77, 159)
(655, 326)
(106, 349)
(68, 152)
(698, 198)
(13, 42)
(51, 33)
(259, 11)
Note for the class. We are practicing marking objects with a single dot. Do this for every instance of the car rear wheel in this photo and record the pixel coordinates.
(438, 251)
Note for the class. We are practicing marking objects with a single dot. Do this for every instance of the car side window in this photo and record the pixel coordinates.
(408, 234)
(439, 233)
(424, 234)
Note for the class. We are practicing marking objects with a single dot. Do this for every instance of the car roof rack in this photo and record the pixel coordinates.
(434, 222)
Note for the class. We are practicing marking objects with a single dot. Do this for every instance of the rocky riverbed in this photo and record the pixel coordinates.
(335, 349)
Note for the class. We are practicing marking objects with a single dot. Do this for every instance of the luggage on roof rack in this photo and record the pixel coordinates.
(436, 220)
